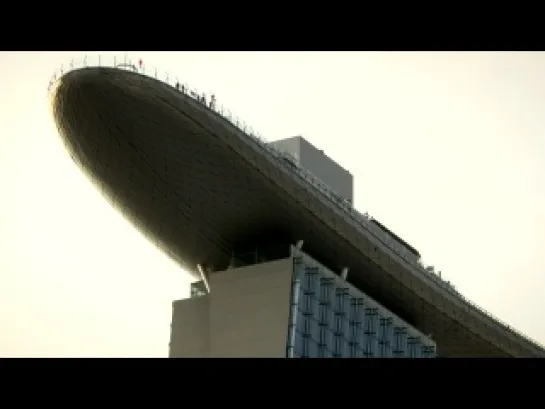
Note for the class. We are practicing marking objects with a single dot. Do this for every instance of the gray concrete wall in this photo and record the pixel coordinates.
(289, 145)
(190, 328)
(327, 170)
(246, 314)
(250, 309)
(319, 164)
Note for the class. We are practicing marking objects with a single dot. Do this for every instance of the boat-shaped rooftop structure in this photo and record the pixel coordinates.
(203, 186)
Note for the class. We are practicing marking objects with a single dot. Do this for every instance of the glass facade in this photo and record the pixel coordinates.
(332, 319)
(198, 289)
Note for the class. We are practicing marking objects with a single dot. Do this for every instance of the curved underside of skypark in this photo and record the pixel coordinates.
(200, 188)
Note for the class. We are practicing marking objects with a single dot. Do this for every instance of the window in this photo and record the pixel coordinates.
(356, 333)
(326, 290)
(371, 346)
(325, 317)
(341, 301)
(356, 309)
(347, 351)
(400, 339)
(371, 317)
(413, 345)
(360, 352)
(312, 328)
(341, 325)
(305, 353)
(301, 322)
(323, 352)
(427, 351)
(385, 337)
(198, 289)
(338, 346)
(326, 338)
(370, 332)
(353, 347)
(299, 344)
(308, 304)
(312, 348)
(311, 280)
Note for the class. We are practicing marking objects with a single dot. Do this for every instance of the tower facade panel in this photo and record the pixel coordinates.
(331, 318)
(292, 307)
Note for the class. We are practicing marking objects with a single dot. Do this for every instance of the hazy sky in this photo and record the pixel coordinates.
(447, 150)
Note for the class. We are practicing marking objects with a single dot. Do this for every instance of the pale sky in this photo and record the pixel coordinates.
(447, 150)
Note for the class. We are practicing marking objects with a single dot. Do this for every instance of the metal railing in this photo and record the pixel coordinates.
(396, 249)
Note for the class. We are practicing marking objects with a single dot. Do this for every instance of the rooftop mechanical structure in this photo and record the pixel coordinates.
(204, 187)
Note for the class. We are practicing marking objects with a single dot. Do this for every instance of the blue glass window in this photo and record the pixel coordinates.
(385, 337)
(326, 290)
(400, 340)
(312, 345)
(356, 308)
(308, 304)
(356, 332)
(427, 351)
(341, 325)
(414, 344)
(331, 320)
(299, 344)
(342, 301)
(313, 328)
(324, 352)
(339, 344)
(325, 317)
(326, 338)
(311, 280)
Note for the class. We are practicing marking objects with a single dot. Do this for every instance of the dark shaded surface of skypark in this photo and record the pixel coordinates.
(201, 188)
